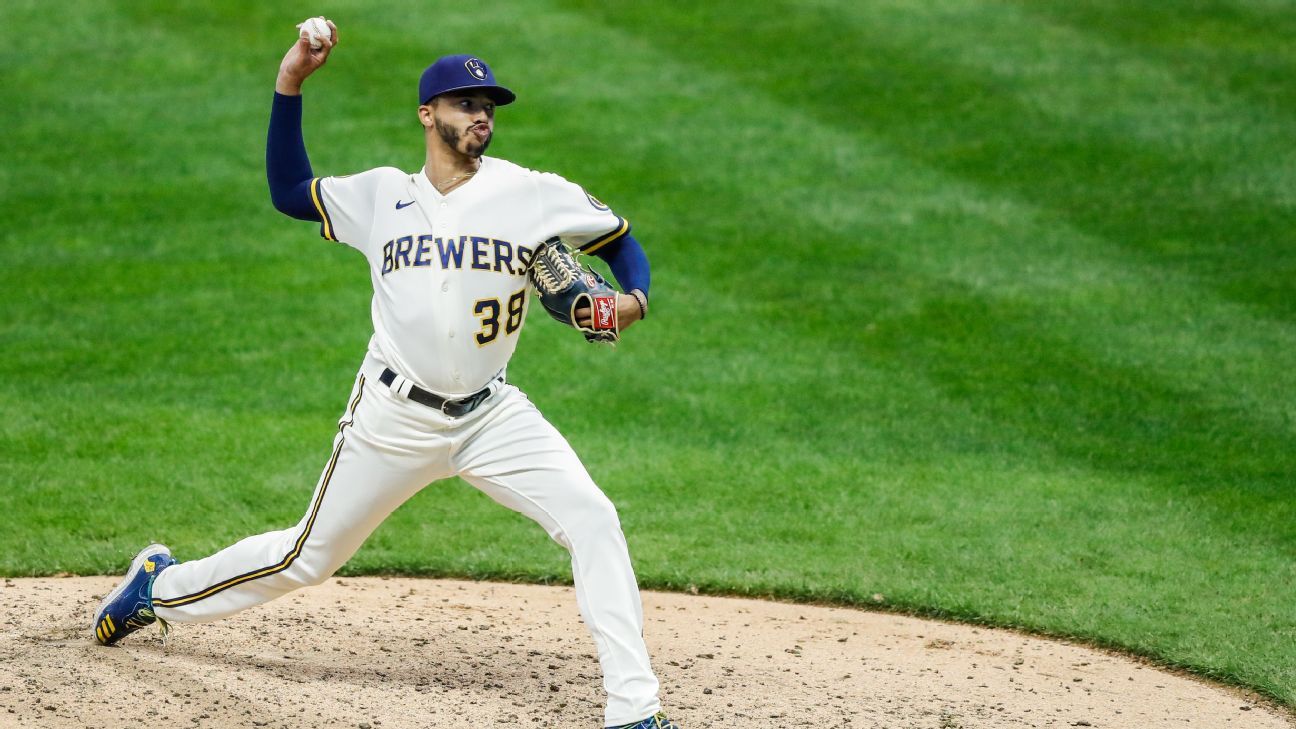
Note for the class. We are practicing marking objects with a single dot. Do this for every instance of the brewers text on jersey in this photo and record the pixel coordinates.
(484, 254)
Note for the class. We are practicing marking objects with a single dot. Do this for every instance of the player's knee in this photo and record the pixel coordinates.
(311, 568)
(596, 514)
(313, 577)
(605, 514)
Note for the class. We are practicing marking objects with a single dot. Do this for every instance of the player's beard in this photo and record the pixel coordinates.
(452, 136)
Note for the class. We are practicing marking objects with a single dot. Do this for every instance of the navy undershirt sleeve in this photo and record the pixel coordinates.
(288, 169)
(628, 262)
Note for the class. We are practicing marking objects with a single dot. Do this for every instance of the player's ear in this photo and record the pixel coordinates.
(425, 115)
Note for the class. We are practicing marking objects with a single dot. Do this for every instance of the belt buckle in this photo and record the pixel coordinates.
(465, 405)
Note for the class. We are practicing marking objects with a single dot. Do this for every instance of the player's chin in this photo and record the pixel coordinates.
(477, 147)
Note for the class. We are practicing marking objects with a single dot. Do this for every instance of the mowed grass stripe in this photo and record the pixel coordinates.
(1229, 48)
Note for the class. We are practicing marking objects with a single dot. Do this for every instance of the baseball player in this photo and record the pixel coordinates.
(448, 250)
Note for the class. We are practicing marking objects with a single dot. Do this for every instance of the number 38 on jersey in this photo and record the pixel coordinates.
(489, 311)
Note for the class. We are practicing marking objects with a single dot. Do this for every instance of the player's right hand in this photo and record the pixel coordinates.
(301, 61)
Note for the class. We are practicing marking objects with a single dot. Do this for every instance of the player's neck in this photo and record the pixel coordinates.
(447, 169)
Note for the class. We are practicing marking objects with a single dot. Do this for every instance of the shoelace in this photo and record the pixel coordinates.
(659, 722)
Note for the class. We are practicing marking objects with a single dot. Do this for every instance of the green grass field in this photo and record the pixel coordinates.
(985, 307)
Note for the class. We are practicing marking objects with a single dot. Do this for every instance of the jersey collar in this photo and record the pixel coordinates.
(428, 191)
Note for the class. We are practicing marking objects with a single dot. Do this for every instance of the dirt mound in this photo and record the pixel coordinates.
(390, 653)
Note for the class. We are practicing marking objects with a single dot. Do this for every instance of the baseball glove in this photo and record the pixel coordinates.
(565, 285)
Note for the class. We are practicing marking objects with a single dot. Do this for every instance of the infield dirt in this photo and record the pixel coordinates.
(378, 653)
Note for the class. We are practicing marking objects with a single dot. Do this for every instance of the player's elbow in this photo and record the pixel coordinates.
(282, 203)
(279, 201)
(294, 201)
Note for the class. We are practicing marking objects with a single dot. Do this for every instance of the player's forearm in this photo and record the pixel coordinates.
(288, 169)
(628, 262)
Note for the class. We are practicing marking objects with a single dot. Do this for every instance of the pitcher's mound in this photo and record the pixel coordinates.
(390, 653)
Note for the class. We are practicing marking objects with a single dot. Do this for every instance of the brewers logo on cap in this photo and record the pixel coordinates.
(461, 72)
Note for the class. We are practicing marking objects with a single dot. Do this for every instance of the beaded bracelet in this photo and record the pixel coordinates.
(642, 300)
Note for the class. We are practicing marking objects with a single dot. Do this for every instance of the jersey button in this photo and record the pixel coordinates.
(445, 285)
(452, 335)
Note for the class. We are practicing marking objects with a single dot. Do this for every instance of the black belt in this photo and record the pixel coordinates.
(453, 408)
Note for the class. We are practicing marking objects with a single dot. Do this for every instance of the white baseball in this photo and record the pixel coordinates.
(315, 29)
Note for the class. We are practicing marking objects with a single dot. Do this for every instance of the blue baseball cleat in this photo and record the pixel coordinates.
(129, 607)
(656, 721)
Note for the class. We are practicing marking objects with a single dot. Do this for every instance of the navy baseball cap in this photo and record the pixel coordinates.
(461, 73)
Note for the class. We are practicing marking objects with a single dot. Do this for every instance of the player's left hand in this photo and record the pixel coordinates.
(627, 312)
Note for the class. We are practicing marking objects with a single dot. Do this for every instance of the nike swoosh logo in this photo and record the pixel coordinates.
(400, 204)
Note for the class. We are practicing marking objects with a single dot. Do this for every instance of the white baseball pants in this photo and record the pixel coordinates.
(389, 447)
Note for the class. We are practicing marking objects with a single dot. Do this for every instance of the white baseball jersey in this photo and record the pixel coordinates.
(450, 271)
